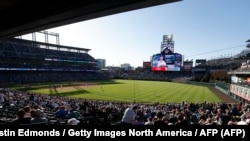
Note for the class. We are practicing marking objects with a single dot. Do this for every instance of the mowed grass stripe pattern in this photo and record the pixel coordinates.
(135, 90)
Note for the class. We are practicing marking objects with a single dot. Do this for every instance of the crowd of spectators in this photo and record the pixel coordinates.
(22, 108)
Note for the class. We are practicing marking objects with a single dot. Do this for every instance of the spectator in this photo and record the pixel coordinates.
(149, 121)
(159, 120)
(73, 121)
(19, 120)
(39, 118)
(129, 116)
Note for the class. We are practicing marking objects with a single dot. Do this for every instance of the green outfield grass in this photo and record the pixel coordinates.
(128, 91)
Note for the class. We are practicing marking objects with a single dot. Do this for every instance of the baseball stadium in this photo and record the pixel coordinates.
(51, 84)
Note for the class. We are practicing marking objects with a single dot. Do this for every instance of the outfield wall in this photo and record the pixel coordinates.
(222, 87)
(222, 90)
(200, 83)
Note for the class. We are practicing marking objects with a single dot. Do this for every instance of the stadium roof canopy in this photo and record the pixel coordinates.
(19, 17)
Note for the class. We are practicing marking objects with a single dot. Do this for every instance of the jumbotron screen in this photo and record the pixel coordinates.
(166, 62)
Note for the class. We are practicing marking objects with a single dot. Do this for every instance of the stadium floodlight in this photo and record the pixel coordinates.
(168, 37)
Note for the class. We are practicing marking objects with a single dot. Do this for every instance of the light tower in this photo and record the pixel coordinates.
(46, 34)
(167, 43)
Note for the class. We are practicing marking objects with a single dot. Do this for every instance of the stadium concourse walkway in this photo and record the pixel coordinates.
(23, 108)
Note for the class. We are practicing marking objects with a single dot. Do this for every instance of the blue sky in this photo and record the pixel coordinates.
(202, 29)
